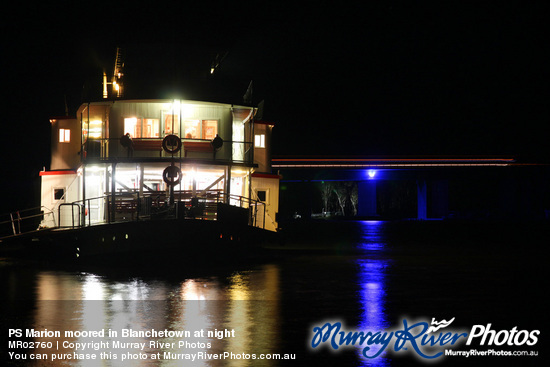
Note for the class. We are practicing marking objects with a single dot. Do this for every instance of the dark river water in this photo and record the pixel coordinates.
(367, 275)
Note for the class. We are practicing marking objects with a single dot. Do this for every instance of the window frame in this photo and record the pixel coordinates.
(64, 135)
(142, 121)
(266, 191)
(176, 121)
(201, 128)
(259, 141)
(63, 196)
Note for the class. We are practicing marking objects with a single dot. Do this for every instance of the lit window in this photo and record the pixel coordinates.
(171, 124)
(259, 141)
(209, 129)
(64, 135)
(141, 128)
(192, 129)
(200, 129)
(131, 127)
(150, 128)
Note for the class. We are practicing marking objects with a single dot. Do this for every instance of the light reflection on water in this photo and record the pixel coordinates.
(260, 303)
(372, 235)
(90, 302)
(372, 288)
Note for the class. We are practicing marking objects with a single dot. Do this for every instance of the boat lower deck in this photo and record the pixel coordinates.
(181, 240)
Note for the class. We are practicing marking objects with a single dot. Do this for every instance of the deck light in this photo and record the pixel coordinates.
(371, 173)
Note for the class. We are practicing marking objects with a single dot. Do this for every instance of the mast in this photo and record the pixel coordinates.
(116, 79)
(117, 74)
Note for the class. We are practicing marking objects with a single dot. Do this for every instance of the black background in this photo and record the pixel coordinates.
(381, 79)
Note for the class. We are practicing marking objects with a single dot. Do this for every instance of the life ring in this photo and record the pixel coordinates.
(171, 144)
(171, 175)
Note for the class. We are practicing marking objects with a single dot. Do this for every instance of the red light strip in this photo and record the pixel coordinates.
(390, 165)
(53, 173)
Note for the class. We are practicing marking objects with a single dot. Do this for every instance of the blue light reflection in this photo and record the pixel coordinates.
(372, 288)
(372, 238)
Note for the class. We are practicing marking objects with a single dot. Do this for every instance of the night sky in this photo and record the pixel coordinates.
(379, 79)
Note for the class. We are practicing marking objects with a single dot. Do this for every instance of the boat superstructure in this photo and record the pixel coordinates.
(113, 161)
(125, 161)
